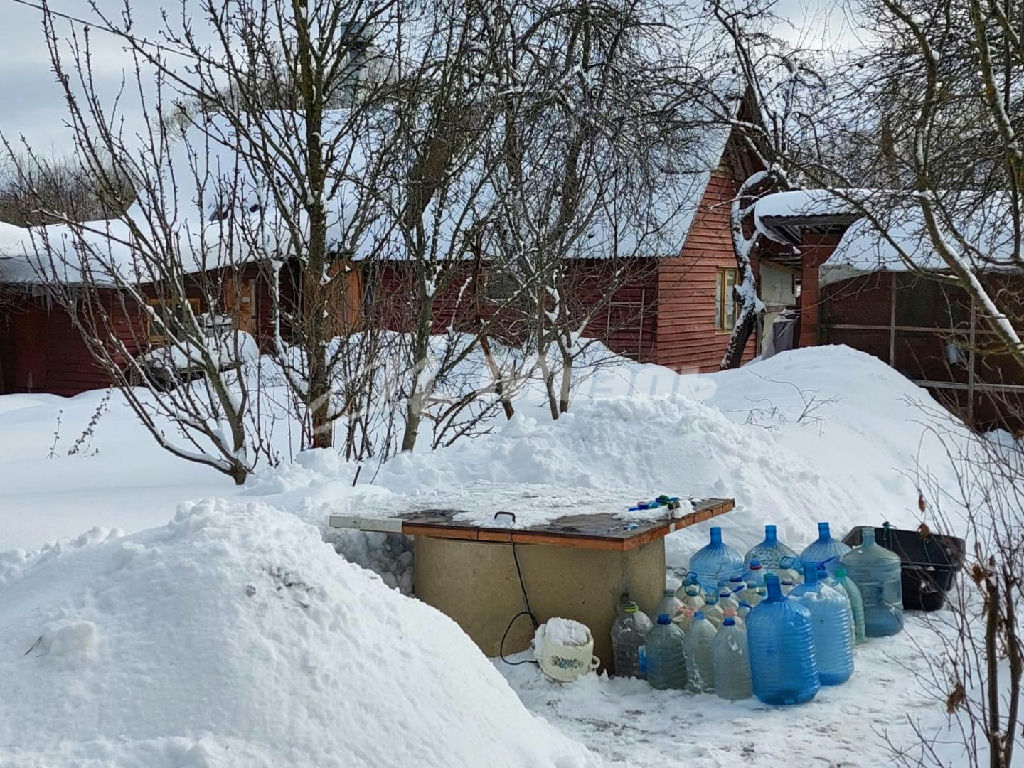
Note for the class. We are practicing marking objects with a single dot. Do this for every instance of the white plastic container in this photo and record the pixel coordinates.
(564, 649)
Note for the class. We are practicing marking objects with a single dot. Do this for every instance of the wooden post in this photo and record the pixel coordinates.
(892, 320)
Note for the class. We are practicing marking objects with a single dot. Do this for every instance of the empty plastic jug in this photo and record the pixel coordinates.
(737, 584)
(856, 602)
(716, 563)
(666, 656)
(712, 610)
(876, 572)
(780, 638)
(830, 619)
(700, 662)
(629, 642)
(691, 603)
(752, 595)
(731, 613)
(669, 604)
(732, 661)
(769, 552)
(727, 600)
(824, 550)
(754, 575)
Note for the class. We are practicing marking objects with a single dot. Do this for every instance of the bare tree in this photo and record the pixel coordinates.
(595, 162)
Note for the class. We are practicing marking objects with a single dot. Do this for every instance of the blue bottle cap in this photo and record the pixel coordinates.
(664, 618)
(698, 616)
(728, 621)
(755, 564)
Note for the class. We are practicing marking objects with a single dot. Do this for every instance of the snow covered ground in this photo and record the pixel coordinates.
(151, 648)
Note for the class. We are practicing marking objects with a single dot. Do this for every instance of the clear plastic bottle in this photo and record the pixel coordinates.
(754, 574)
(731, 613)
(727, 601)
(666, 655)
(744, 611)
(769, 552)
(712, 610)
(752, 595)
(692, 602)
(824, 550)
(669, 604)
(876, 572)
(629, 642)
(731, 661)
(699, 644)
(830, 618)
(781, 643)
(716, 563)
(856, 602)
(737, 584)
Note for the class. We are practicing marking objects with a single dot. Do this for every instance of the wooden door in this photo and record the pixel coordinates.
(240, 302)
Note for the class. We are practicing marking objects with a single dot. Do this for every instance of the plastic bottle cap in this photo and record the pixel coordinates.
(728, 621)
(698, 616)
(755, 565)
(631, 608)
(664, 618)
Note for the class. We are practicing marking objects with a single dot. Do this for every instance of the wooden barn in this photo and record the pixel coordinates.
(856, 290)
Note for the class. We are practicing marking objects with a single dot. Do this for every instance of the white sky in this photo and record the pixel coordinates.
(33, 104)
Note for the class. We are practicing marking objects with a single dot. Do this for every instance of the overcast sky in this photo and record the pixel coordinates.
(32, 103)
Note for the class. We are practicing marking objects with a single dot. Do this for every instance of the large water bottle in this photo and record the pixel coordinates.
(732, 661)
(669, 604)
(824, 550)
(876, 572)
(629, 642)
(700, 661)
(830, 618)
(856, 602)
(769, 552)
(851, 620)
(716, 563)
(783, 667)
(666, 656)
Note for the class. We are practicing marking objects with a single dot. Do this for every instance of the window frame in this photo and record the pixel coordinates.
(724, 298)
(156, 338)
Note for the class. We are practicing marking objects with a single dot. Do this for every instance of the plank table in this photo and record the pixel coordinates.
(576, 566)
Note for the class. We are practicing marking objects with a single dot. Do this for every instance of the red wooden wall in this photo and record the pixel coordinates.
(687, 337)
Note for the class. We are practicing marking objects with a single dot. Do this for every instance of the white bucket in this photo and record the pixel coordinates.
(567, 652)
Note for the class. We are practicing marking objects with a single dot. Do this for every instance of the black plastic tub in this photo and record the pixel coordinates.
(930, 563)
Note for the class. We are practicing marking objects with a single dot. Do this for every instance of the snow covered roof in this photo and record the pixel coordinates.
(214, 207)
(906, 244)
(804, 206)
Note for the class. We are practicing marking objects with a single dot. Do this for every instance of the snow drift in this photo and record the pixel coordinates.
(234, 636)
(826, 433)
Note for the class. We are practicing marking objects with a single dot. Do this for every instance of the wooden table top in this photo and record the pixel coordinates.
(584, 531)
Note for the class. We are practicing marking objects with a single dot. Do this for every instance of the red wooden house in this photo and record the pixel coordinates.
(857, 290)
(675, 309)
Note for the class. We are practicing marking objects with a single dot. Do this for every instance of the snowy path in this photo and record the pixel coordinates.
(629, 723)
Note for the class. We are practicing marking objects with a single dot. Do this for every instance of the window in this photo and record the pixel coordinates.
(726, 309)
(172, 314)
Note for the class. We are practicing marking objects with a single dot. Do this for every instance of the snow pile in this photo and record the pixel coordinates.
(234, 636)
(826, 433)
